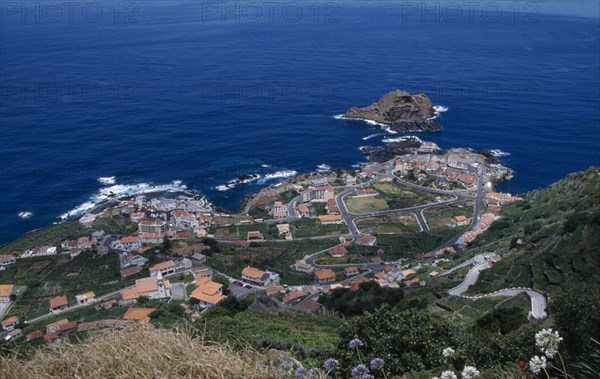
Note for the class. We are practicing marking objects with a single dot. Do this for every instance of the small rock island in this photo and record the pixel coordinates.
(401, 111)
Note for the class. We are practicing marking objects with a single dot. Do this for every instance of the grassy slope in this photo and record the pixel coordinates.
(559, 232)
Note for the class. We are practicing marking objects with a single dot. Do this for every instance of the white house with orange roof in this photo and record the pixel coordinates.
(208, 293)
(6, 290)
(85, 298)
(10, 323)
(152, 288)
(258, 277)
(164, 268)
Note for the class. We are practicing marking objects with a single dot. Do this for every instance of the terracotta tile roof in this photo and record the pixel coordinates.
(253, 273)
(338, 250)
(330, 218)
(6, 289)
(155, 222)
(162, 265)
(34, 335)
(68, 326)
(293, 296)
(209, 292)
(130, 239)
(138, 314)
(303, 208)
(325, 274)
(55, 326)
(130, 271)
(351, 269)
(10, 320)
(58, 301)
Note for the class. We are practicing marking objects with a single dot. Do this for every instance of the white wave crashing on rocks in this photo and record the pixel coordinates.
(107, 180)
(120, 191)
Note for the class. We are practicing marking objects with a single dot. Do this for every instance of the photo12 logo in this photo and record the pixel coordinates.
(68, 12)
(468, 11)
(269, 12)
(82, 93)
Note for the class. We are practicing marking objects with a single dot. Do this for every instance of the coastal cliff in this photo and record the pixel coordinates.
(400, 110)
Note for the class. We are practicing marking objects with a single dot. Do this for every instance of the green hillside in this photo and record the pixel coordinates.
(554, 236)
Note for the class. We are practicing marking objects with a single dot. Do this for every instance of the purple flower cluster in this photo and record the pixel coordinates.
(331, 364)
(355, 343)
(304, 373)
(361, 372)
(377, 364)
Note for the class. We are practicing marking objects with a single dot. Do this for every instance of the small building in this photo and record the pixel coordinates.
(351, 271)
(332, 207)
(7, 259)
(130, 271)
(337, 251)
(141, 315)
(10, 323)
(364, 192)
(325, 276)
(303, 211)
(255, 236)
(154, 287)
(258, 277)
(208, 293)
(58, 303)
(130, 259)
(68, 327)
(127, 243)
(165, 268)
(6, 291)
(368, 240)
(460, 221)
(302, 266)
(34, 335)
(13, 335)
(330, 219)
(55, 326)
(85, 298)
(202, 273)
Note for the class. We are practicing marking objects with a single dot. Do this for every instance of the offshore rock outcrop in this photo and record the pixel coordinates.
(401, 111)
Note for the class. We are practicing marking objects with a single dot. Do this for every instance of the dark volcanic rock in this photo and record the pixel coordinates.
(400, 110)
(390, 150)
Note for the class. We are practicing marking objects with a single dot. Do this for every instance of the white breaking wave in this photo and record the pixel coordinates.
(499, 153)
(122, 190)
(402, 139)
(107, 180)
(323, 167)
(24, 215)
(281, 174)
(240, 180)
(439, 109)
(372, 136)
(265, 165)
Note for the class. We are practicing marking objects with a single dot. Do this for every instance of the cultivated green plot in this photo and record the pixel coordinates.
(367, 204)
(389, 224)
(400, 196)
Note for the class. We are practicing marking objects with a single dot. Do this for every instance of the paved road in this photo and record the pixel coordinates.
(74, 307)
(538, 299)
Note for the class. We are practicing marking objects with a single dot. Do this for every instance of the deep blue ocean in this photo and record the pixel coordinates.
(202, 92)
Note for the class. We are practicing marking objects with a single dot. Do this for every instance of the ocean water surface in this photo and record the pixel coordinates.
(195, 93)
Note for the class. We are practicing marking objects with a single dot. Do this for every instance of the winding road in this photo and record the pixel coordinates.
(482, 262)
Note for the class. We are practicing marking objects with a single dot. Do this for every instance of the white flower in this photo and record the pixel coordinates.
(547, 341)
(448, 375)
(435, 377)
(448, 352)
(470, 372)
(536, 364)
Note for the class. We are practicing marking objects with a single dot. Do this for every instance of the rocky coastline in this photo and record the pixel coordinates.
(400, 111)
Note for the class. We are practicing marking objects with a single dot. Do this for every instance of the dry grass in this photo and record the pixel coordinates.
(137, 352)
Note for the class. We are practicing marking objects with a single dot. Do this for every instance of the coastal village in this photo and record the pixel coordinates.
(292, 241)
